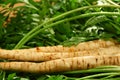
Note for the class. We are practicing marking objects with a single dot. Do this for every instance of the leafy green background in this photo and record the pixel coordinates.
(33, 14)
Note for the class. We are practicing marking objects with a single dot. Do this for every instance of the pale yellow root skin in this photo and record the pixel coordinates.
(81, 46)
(43, 56)
(67, 64)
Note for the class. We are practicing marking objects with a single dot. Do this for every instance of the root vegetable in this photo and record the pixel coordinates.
(43, 56)
(67, 64)
(81, 46)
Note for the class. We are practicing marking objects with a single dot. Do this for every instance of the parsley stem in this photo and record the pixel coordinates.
(111, 2)
(98, 75)
(32, 33)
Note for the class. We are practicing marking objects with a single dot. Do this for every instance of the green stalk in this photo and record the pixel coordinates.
(94, 70)
(64, 20)
(93, 79)
(111, 2)
(74, 18)
(115, 26)
(33, 31)
(110, 76)
(97, 75)
(110, 66)
(4, 73)
(87, 3)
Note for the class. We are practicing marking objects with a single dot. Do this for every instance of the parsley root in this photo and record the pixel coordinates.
(45, 56)
(67, 64)
(81, 46)
(80, 50)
